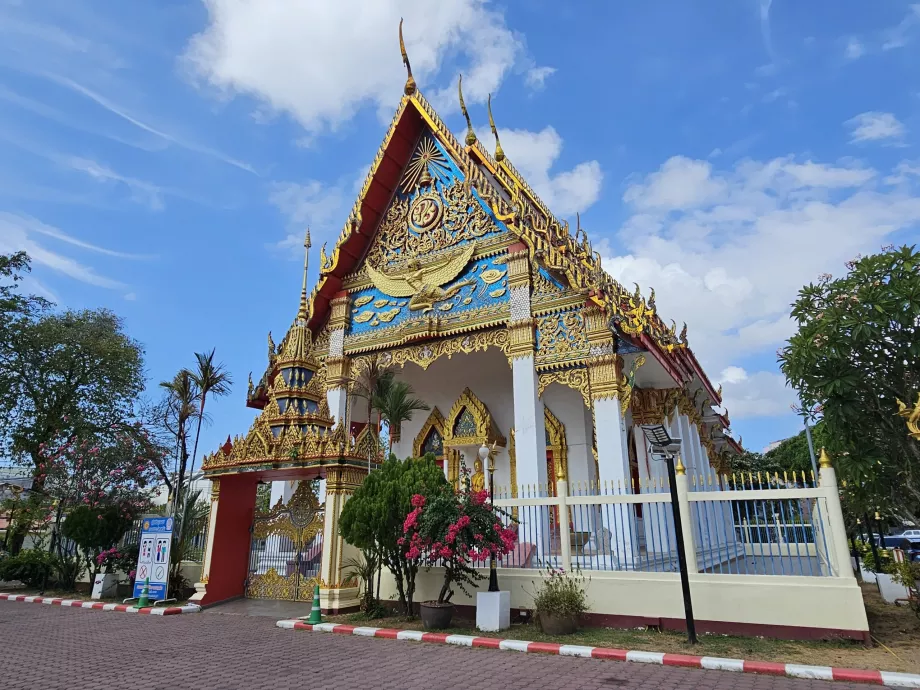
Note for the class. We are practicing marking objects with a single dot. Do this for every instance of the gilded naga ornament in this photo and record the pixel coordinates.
(423, 281)
(912, 415)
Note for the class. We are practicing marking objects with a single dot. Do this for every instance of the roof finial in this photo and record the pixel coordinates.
(470, 134)
(410, 87)
(304, 312)
(499, 154)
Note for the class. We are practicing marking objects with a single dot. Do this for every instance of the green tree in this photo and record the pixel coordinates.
(72, 373)
(178, 411)
(94, 530)
(372, 519)
(396, 406)
(372, 383)
(211, 380)
(857, 352)
(792, 455)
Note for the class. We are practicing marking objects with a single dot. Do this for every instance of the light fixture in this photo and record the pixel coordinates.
(657, 435)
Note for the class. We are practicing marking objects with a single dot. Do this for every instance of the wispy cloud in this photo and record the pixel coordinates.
(36, 226)
(123, 113)
(855, 49)
(876, 126)
(17, 233)
(900, 35)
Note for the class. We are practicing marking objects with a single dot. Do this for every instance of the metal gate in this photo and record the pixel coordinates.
(286, 548)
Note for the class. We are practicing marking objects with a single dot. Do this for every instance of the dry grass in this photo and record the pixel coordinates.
(895, 629)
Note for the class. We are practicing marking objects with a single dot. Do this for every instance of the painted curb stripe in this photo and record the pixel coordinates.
(900, 680)
(853, 675)
(682, 660)
(810, 672)
(575, 650)
(886, 678)
(714, 663)
(100, 606)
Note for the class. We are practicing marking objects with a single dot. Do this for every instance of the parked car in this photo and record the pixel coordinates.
(911, 548)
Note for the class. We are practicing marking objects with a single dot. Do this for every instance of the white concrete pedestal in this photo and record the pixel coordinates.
(493, 611)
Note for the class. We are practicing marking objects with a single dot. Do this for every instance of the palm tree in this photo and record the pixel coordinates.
(181, 394)
(372, 383)
(211, 379)
(397, 407)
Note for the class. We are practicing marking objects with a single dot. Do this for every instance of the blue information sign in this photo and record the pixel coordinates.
(153, 557)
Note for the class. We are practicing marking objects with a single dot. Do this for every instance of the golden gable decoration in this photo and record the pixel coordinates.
(485, 429)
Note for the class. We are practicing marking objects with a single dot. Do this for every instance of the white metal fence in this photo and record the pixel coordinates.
(741, 525)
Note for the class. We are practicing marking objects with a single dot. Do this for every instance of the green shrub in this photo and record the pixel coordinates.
(29, 567)
(561, 593)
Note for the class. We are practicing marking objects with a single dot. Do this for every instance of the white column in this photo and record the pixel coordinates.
(337, 399)
(613, 466)
(529, 423)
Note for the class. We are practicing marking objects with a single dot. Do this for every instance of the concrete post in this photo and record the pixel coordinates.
(683, 503)
(565, 539)
(836, 527)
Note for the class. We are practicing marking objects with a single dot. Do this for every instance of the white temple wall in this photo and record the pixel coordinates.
(569, 408)
(487, 375)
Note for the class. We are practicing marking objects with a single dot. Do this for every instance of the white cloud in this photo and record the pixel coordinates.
(876, 126)
(727, 250)
(534, 154)
(900, 35)
(130, 297)
(321, 207)
(17, 233)
(322, 61)
(855, 49)
(536, 76)
(141, 192)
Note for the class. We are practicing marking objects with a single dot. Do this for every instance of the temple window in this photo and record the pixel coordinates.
(433, 444)
(465, 424)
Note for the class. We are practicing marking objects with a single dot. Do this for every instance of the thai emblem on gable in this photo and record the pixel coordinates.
(425, 212)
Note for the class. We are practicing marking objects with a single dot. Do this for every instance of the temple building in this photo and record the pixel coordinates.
(452, 273)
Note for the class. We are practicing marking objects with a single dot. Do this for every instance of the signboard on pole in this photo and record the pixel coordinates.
(153, 557)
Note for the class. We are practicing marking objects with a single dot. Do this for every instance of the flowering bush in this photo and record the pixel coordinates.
(561, 594)
(119, 560)
(457, 531)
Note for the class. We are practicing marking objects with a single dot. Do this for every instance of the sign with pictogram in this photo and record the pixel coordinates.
(153, 557)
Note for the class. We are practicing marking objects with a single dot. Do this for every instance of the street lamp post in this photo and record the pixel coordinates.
(486, 454)
(665, 447)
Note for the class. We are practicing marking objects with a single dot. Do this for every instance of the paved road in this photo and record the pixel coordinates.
(71, 649)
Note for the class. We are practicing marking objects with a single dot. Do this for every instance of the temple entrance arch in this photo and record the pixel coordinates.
(286, 548)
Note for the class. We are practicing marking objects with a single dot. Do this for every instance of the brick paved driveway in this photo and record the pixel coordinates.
(50, 648)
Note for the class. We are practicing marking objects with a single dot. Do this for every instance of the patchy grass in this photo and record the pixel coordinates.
(895, 629)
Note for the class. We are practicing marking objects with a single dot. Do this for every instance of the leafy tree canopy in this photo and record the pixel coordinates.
(856, 352)
(74, 373)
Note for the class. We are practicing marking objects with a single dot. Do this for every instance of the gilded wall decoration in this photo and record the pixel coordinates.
(556, 443)
(573, 378)
(561, 337)
(653, 405)
(425, 354)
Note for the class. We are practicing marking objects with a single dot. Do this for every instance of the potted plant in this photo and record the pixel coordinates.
(560, 600)
(455, 531)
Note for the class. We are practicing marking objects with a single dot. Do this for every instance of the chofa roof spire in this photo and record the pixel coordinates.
(303, 314)
(499, 154)
(410, 87)
(470, 134)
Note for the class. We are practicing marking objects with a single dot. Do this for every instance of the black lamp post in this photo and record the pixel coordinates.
(486, 454)
(667, 448)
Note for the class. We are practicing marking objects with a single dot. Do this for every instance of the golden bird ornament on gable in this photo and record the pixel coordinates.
(422, 282)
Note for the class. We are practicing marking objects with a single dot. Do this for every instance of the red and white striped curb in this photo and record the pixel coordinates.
(886, 678)
(99, 606)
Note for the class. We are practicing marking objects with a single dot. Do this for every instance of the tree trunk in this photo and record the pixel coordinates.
(191, 473)
(444, 594)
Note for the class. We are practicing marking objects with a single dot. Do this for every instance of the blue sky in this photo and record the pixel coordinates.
(162, 159)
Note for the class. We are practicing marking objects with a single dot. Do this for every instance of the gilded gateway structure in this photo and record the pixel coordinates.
(452, 272)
